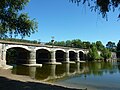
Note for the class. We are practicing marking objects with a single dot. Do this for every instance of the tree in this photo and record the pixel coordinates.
(106, 54)
(93, 53)
(118, 49)
(20, 40)
(99, 45)
(61, 43)
(103, 6)
(86, 45)
(77, 43)
(111, 46)
(14, 22)
(68, 43)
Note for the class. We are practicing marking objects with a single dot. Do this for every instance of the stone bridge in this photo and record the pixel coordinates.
(38, 53)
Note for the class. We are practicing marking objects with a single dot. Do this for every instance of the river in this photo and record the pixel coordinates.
(90, 75)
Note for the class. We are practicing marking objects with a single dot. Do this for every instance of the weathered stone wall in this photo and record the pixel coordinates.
(113, 55)
(0, 54)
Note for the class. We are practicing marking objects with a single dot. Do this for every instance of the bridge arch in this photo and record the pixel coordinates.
(72, 54)
(43, 55)
(18, 46)
(60, 55)
(17, 55)
(56, 49)
(80, 51)
(45, 48)
(82, 54)
(71, 50)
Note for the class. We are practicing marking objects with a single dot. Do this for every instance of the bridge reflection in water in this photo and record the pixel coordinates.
(50, 73)
(78, 75)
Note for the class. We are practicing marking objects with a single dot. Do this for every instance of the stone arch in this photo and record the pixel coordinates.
(18, 46)
(45, 48)
(81, 51)
(43, 55)
(59, 49)
(71, 50)
(60, 55)
(72, 55)
(81, 55)
(17, 55)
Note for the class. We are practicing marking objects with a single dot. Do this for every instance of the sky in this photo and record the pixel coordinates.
(67, 21)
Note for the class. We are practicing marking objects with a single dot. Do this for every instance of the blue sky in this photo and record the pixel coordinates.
(67, 21)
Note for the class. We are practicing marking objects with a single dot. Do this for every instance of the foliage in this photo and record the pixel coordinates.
(68, 43)
(76, 43)
(99, 45)
(94, 48)
(93, 53)
(86, 44)
(101, 6)
(14, 22)
(62, 43)
(111, 46)
(20, 40)
(56, 43)
(118, 49)
(106, 54)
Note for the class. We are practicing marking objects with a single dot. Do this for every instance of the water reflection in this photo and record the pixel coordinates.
(48, 72)
(53, 73)
(100, 68)
(32, 72)
(67, 69)
(96, 76)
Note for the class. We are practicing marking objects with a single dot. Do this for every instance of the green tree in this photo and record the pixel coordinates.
(14, 22)
(68, 43)
(111, 46)
(106, 54)
(77, 43)
(20, 40)
(61, 43)
(86, 45)
(93, 53)
(101, 6)
(118, 49)
(99, 45)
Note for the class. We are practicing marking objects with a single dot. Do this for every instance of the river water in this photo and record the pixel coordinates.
(91, 75)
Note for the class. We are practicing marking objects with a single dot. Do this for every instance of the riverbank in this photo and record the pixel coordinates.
(9, 81)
